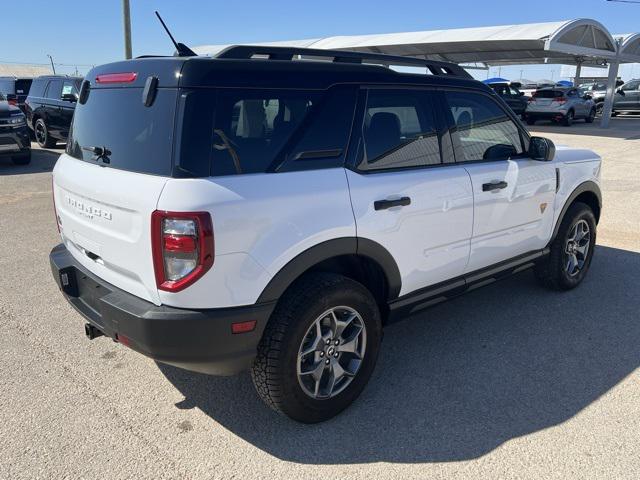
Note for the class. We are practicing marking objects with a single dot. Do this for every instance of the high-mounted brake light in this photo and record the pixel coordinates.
(125, 77)
(182, 246)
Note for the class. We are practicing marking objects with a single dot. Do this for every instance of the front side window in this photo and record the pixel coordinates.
(399, 130)
(483, 129)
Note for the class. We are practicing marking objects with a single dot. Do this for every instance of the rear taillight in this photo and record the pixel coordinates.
(12, 101)
(182, 245)
(561, 101)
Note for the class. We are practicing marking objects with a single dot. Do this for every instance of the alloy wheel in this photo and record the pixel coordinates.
(41, 134)
(577, 248)
(331, 352)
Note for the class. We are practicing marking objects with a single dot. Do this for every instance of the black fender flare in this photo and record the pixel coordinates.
(330, 249)
(587, 186)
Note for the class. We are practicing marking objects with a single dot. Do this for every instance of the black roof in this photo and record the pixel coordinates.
(194, 72)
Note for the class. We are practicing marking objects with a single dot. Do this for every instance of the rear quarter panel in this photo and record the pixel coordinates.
(260, 223)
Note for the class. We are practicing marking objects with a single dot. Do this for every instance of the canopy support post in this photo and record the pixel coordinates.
(576, 79)
(611, 90)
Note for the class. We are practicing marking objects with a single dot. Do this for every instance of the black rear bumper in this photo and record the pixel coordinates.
(198, 340)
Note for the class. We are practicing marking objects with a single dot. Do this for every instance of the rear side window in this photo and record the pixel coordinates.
(243, 131)
(483, 130)
(37, 88)
(139, 138)
(252, 127)
(54, 90)
(399, 130)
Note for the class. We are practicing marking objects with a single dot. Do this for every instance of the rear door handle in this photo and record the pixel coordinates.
(384, 204)
(493, 186)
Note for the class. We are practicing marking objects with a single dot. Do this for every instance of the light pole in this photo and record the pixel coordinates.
(126, 20)
(52, 66)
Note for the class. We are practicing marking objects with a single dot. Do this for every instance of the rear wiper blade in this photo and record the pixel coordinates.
(101, 153)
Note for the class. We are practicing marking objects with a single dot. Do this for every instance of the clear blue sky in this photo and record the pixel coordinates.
(81, 32)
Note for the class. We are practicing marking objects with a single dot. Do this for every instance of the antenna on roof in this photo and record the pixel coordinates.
(181, 49)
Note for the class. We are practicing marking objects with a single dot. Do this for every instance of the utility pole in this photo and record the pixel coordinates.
(52, 66)
(126, 20)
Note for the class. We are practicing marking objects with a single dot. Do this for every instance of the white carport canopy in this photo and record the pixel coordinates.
(571, 42)
(567, 42)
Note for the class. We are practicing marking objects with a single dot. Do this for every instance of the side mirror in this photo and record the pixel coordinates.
(69, 97)
(542, 149)
(620, 91)
(588, 97)
(521, 94)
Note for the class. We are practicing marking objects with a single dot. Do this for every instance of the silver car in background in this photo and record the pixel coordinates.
(558, 104)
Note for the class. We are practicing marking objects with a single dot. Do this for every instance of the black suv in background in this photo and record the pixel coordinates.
(14, 136)
(50, 106)
(15, 90)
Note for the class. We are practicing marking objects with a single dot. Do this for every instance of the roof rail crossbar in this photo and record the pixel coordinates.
(342, 56)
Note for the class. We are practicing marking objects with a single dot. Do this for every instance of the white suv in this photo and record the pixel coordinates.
(236, 212)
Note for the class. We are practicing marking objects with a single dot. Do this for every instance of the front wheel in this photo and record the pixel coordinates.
(571, 252)
(591, 117)
(319, 348)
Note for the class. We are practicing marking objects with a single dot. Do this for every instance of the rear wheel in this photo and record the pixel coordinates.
(319, 348)
(591, 117)
(22, 159)
(43, 137)
(572, 250)
(599, 108)
(568, 119)
(531, 121)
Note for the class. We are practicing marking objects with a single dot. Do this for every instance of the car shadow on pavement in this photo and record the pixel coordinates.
(41, 161)
(461, 378)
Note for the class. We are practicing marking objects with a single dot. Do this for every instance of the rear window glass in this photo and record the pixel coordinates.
(23, 86)
(548, 94)
(139, 138)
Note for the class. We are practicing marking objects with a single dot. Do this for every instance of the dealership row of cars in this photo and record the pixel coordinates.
(41, 108)
(565, 103)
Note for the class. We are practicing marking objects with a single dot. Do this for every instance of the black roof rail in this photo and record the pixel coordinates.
(342, 56)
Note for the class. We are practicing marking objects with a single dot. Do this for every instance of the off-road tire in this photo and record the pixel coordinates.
(274, 371)
(551, 271)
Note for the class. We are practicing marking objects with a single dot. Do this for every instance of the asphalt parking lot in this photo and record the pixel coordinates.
(510, 381)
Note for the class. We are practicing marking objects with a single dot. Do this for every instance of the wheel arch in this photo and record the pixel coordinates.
(361, 259)
(587, 192)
